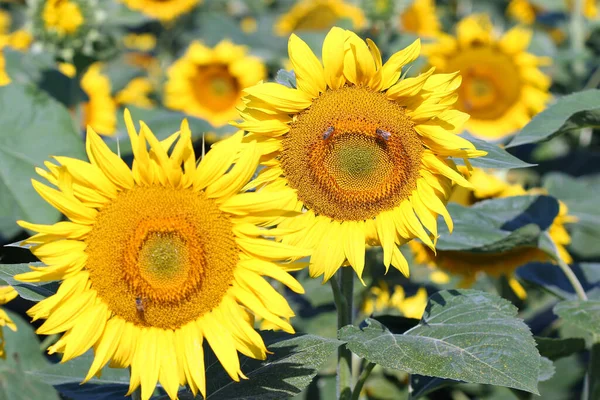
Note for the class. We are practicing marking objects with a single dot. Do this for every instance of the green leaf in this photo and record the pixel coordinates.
(464, 335)
(292, 366)
(583, 314)
(575, 111)
(551, 278)
(23, 359)
(74, 371)
(498, 225)
(593, 391)
(23, 348)
(30, 290)
(163, 123)
(34, 127)
(496, 156)
(555, 348)
(546, 369)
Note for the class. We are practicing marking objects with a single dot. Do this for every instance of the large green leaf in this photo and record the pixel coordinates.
(575, 111)
(496, 156)
(584, 314)
(292, 366)
(498, 225)
(74, 371)
(34, 127)
(23, 358)
(464, 335)
(27, 290)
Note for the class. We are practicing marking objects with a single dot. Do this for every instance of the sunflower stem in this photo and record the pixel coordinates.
(569, 274)
(577, 37)
(342, 286)
(361, 380)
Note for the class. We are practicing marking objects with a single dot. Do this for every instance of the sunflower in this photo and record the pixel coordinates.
(7, 293)
(163, 10)
(208, 83)
(136, 92)
(378, 300)
(100, 110)
(420, 18)
(315, 15)
(469, 265)
(523, 11)
(157, 259)
(19, 39)
(363, 153)
(140, 42)
(64, 17)
(503, 86)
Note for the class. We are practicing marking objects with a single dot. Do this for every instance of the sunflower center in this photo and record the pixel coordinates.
(352, 154)
(215, 88)
(160, 256)
(491, 83)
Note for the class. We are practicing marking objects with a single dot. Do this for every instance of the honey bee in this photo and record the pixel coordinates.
(385, 135)
(139, 305)
(328, 132)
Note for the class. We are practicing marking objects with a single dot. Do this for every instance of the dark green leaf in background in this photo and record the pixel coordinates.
(584, 314)
(292, 366)
(575, 111)
(555, 348)
(34, 127)
(32, 291)
(18, 380)
(496, 156)
(498, 225)
(464, 335)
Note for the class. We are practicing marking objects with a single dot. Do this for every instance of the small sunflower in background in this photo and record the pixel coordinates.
(136, 93)
(319, 15)
(64, 24)
(526, 11)
(379, 299)
(420, 18)
(7, 293)
(156, 259)
(359, 151)
(163, 10)
(208, 82)
(503, 87)
(469, 265)
(19, 39)
(100, 111)
(63, 17)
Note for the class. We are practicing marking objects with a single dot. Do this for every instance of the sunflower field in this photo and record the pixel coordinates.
(300, 199)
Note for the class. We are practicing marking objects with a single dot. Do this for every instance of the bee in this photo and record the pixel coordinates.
(328, 132)
(139, 305)
(385, 135)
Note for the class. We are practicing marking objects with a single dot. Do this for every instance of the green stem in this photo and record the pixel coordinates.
(342, 286)
(570, 274)
(577, 37)
(592, 385)
(361, 380)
